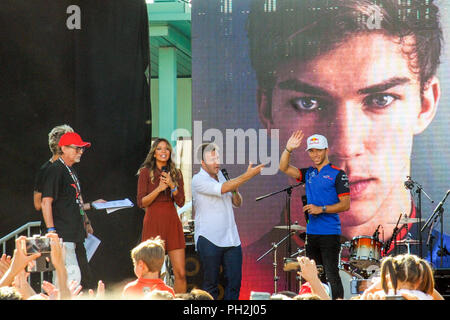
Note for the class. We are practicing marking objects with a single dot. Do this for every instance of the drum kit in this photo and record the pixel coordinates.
(364, 257)
(359, 261)
(359, 258)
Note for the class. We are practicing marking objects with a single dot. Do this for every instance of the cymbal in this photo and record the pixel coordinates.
(407, 220)
(294, 227)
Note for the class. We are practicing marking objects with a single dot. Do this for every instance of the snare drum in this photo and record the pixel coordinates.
(365, 251)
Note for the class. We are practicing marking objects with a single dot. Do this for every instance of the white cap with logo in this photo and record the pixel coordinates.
(316, 141)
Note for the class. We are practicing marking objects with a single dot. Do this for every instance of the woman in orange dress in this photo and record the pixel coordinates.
(160, 185)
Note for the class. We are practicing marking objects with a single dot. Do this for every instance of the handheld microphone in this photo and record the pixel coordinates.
(165, 169)
(227, 177)
(305, 202)
(225, 174)
(409, 184)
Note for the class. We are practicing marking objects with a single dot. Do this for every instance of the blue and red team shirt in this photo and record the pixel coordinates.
(322, 189)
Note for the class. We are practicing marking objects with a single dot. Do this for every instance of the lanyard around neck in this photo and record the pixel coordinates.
(77, 185)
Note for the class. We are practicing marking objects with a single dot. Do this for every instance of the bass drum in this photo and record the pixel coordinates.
(365, 251)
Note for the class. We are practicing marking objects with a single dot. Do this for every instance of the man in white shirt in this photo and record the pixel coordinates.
(216, 235)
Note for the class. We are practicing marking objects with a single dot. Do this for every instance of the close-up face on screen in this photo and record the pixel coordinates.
(371, 76)
(369, 108)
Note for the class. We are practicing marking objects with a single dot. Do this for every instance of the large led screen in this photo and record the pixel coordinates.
(371, 76)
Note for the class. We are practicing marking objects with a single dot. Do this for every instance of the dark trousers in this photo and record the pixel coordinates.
(87, 278)
(212, 257)
(324, 250)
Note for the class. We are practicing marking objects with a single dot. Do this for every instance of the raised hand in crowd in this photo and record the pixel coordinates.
(18, 263)
(100, 291)
(51, 290)
(308, 271)
(5, 262)
(22, 286)
(369, 293)
(57, 257)
(75, 289)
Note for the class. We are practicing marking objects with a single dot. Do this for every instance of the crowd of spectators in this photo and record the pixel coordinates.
(404, 276)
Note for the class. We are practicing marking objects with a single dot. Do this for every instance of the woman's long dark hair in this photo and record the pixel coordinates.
(150, 162)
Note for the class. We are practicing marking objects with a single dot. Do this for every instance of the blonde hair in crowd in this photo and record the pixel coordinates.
(410, 269)
(151, 252)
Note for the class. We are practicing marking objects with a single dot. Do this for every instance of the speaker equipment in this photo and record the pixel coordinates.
(194, 272)
(442, 282)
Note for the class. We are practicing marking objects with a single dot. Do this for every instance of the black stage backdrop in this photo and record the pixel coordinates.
(91, 78)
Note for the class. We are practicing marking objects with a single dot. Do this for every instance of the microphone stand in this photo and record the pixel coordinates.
(274, 249)
(438, 211)
(430, 240)
(442, 233)
(394, 236)
(419, 192)
(288, 191)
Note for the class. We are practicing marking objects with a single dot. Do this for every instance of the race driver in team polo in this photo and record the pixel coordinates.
(328, 194)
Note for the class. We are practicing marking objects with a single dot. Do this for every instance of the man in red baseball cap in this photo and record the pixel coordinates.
(63, 207)
(74, 146)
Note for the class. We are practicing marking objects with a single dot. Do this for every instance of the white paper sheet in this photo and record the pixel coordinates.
(112, 206)
(91, 244)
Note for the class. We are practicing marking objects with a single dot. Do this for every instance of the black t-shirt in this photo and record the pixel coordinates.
(39, 179)
(38, 185)
(59, 185)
